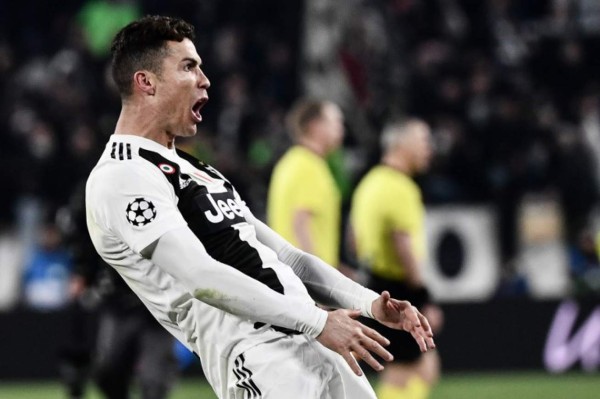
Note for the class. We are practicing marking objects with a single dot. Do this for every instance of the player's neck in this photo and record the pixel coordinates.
(140, 122)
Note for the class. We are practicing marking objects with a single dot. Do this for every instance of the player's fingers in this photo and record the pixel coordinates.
(419, 339)
(385, 296)
(375, 335)
(412, 314)
(354, 313)
(352, 362)
(428, 337)
(430, 342)
(405, 307)
(375, 347)
(365, 355)
(425, 324)
(398, 304)
(426, 331)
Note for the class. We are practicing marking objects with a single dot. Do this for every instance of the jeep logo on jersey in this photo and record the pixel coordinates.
(224, 207)
(140, 212)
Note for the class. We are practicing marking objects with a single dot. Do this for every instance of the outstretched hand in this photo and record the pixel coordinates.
(401, 315)
(345, 335)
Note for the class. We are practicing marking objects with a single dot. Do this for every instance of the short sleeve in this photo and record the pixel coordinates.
(302, 186)
(305, 195)
(137, 204)
(402, 209)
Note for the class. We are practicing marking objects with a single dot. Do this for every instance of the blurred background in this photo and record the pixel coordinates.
(510, 88)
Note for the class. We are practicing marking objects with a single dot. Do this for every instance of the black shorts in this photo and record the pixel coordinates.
(402, 344)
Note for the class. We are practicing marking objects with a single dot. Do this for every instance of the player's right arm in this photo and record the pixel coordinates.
(181, 254)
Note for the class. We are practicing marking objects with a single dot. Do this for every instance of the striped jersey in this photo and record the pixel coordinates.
(140, 190)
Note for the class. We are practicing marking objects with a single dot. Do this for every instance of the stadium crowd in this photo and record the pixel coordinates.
(512, 92)
(510, 88)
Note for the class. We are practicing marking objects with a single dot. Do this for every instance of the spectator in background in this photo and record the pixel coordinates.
(101, 19)
(131, 346)
(585, 265)
(46, 277)
(51, 69)
(304, 203)
(388, 222)
(578, 191)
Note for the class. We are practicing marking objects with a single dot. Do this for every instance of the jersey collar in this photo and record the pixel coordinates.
(142, 142)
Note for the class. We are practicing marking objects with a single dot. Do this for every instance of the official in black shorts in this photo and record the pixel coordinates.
(388, 223)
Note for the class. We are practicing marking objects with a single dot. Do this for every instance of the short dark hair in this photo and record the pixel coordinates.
(141, 45)
(302, 113)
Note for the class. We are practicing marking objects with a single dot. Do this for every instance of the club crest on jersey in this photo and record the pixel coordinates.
(140, 212)
(168, 169)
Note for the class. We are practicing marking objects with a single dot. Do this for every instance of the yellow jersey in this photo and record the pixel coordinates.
(301, 180)
(387, 200)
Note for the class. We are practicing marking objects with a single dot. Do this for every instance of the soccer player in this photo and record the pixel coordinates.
(218, 279)
(387, 218)
(304, 202)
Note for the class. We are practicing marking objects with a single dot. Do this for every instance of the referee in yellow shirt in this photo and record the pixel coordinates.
(304, 203)
(387, 219)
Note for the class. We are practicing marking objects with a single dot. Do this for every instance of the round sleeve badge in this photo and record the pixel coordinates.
(140, 212)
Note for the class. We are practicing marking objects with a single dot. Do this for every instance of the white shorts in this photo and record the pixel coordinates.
(294, 367)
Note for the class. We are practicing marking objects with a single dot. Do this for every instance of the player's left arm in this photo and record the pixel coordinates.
(331, 288)
(326, 285)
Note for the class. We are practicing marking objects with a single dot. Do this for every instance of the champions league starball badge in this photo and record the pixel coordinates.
(140, 212)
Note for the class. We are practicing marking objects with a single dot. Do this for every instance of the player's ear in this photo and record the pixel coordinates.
(145, 81)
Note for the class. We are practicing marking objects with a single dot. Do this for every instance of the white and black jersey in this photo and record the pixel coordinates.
(212, 274)
(140, 190)
(214, 212)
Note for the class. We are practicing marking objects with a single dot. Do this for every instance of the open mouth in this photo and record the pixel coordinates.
(197, 107)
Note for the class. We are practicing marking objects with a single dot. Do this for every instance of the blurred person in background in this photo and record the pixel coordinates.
(218, 279)
(304, 203)
(388, 224)
(101, 19)
(46, 275)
